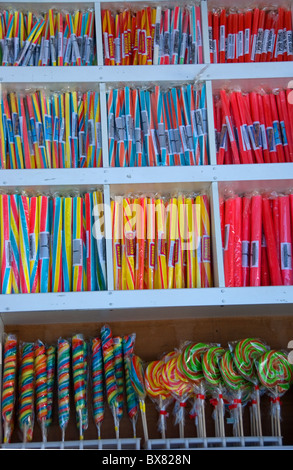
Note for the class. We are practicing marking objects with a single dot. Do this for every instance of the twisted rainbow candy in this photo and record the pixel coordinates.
(26, 391)
(63, 378)
(118, 364)
(51, 362)
(136, 374)
(275, 372)
(131, 398)
(109, 370)
(41, 385)
(245, 353)
(79, 362)
(9, 384)
(97, 383)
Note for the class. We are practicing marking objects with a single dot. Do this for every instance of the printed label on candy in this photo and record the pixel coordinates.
(40, 134)
(246, 41)
(254, 255)
(117, 247)
(171, 259)
(8, 254)
(56, 129)
(48, 127)
(205, 249)
(137, 134)
(32, 246)
(222, 38)
(130, 244)
(44, 238)
(227, 233)
(245, 253)
(151, 254)
(277, 133)
(286, 255)
(77, 247)
(284, 133)
(271, 139)
(239, 44)
(265, 42)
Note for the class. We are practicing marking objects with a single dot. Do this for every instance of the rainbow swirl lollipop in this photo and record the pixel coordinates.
(63, 378)
(51, 375)
(131, 397)
(79, 371)
(9, 384)
(26, 391)
(245, 353)
(41, 386)
(98, 383)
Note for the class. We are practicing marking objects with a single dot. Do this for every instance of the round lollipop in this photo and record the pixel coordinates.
(156, 391)
(97, 383)
(190, 363)
(275, 373)
(136, 374)
(176, 382)
(63, 378)
(110, 377)
(238, 387)
(212, 374)
(131, 397)
(41, 386)
(245, 353)
(9, 384)
(51, 373)
(26, 391)
(79, 370)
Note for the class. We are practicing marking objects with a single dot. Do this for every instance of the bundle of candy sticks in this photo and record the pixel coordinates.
(250, 35)
(52, 244)
(51, 38)
(257, 232)
(157, 127)
(42, 129)
(161, 242)
(253, 127)
(153, 36)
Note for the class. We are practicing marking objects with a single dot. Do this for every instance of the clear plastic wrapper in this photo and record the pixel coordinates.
(26, 402)
(97, 383)
(9, 383)
(80, 381)
(128, 342)
(63, 383)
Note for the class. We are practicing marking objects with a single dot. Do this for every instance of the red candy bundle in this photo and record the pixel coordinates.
(250, 35)
(257, 232)
(253, 127)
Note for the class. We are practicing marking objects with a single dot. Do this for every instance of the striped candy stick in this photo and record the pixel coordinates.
(91, 276)
(149, 56)
(44, 242)
(14, 238)
(151, 239)
(190, 243)
(67, 130)
(140, 242)
(81, 133)
(129, 126)
(121, 131)
(188, 155)
(32, 124)
(56, 234)
(60, 38)
(111, 106)
(77, 244)
(90, 134)
(168, 133)
(62, 135)
(16, 123)
(198, 240)
(228, 119)
(3, 162)
(172, 211)
(180, 230)
(117, 40)
(55, 131)
(76, 58)
(105, 37)
(180, 159)
(9, 132)
(151, 111)
(67, 243)
(137, 128)
(5, 244)
(192, 107)
(285, 244)
(39, 130)
(26, 142)
(98, 162)
(34, 244)
(146, 128)
(207, 280)
(161, 258)
(203, 139)
(143, 39)
(128, 245)
(8, 39)
(116, 214)
(52, 32)
(74, 124)
(188, 127)
(161, 126)
(99, 236)
(24, 245)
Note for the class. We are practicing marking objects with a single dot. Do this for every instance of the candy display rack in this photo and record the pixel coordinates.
(218, 312)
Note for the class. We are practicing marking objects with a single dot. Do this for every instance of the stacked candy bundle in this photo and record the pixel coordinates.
(155, 127)
(52, 244)
(253, 127)
(153, 36)
(250, 35)
(161, 242)
(231, 377)
(257, 233)
(50, 130)
(53, 37)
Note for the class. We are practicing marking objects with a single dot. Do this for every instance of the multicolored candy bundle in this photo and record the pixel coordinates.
(257, 233)
(161, 242)
(51, 38)
(253, 127)
(43, 129)
(157, 127)
(250, 34)
(52, 244)
(152, 36)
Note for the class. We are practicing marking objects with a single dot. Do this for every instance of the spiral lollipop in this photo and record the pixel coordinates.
(190, 363)
(26, 391)
(212, 374)
(136, 374)
(41, 386)
(118, 364)
(131, 397)
(176, 382)
(97, 383)
(156, 391)
(79, 380)
(275, 373)
(238, 386)
(245, 353)
(109, 371)
(63, 377)
(9, 385)
(51, 373)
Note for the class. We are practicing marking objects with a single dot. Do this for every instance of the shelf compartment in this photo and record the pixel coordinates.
(233, 443)
(100, 444)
